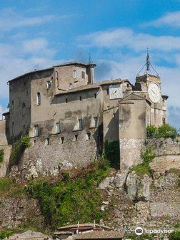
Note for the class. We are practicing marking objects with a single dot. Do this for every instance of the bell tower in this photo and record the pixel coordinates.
(149, 76)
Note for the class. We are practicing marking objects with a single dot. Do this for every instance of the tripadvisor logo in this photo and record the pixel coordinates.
(138, 231)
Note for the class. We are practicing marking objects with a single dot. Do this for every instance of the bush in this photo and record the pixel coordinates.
(144, 168)
(163, 131)
(18, 149)
(174, 235)
(151, 131)
(1, 155)
(25, 141)
(5, 234)
(167, 131)
(70, 200)
(112, 153)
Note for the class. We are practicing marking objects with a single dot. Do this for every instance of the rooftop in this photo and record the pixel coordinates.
(60, 65)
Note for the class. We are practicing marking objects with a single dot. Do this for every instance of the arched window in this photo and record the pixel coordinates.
(38, 99)
(23, 109)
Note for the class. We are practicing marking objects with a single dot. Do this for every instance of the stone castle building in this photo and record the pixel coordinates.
(69, 116)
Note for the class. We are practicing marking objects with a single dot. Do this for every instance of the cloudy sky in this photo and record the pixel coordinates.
(38, 34)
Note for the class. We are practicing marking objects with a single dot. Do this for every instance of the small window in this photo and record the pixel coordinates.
(74, 74)
(27, 93)
(38, 99)
(76, 137)
(48, 84)
(70, 85)
(80, 98)
(83, 74)
(58, 128)
(107, 91)
(80, 123)
(95, 121)
(66, 100)
(47, 141)
(62, 140)
(36, 132)
(88, 136)
(95, 95)
(23, 109)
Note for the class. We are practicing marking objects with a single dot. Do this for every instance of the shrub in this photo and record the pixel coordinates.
(151, 131)
(25, 141)
(112, 153)
(174, 235)
(144, 168)
(1, 155)
(163, 131)
(167, 131)
(5, 234)
(18, 149)
(70, 200)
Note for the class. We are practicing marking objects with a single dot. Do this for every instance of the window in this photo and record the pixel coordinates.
(70, 85)
(58, 128)
(62, 140)
(48, 84)
(80, 98)
(74, 74)
(38, 99)
(36, 131)
(95, 95)
(83, 74)
(23, 109)
(107, 91)
(80, 123)
(27, 93)
(95, 121)
(66, 100)
(88, 136)
(76, 137)
(47, 142)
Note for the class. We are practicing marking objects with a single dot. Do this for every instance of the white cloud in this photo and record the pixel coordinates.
(126, 38)
(9, 20)
(171, 19)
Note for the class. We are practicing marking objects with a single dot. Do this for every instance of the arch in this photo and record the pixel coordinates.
(38, 98)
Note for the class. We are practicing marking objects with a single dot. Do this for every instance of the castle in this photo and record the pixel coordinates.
(69, 117)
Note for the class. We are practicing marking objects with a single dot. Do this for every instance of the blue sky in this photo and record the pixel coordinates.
(39, 34)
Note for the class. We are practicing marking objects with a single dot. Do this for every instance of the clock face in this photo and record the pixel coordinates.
(154, 92)
(115, 91)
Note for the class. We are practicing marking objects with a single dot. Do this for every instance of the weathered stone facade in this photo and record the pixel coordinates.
(69, 117)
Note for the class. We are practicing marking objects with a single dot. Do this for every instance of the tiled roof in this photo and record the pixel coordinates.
(99, 235)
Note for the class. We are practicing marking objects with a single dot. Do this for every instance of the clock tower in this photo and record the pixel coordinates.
(148, 85)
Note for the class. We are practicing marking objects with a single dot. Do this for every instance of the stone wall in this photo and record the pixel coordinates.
(167, 152)
(44, 158)
(15, 212)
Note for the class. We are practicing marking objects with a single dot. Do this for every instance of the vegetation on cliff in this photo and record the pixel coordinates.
(5, 234)
(143, 168)
(1, 155)
(71, 199)
(18, 149)
(174, 235)
(163, 131)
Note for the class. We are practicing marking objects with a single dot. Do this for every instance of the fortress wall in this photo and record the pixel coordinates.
(167, 152)
(44, 159)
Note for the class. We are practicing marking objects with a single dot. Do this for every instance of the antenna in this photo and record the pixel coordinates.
(147, 66)
(147, 61)
(90, 59)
